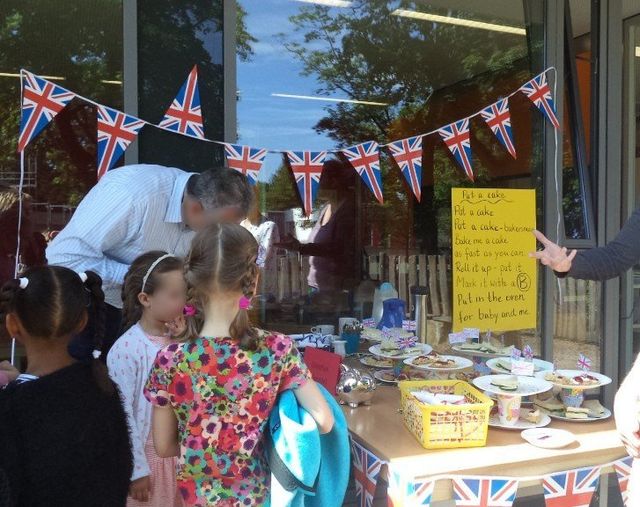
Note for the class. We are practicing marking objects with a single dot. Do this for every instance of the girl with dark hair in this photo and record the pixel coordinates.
(63, 431)
(153, 296)
(213, 392)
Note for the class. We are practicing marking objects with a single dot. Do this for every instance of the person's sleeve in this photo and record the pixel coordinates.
(158, 387)
(107, 219)
(613, 259)
(293, 372)
(122, 370)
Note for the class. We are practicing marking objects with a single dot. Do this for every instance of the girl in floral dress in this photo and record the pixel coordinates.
(153, 296)
(213, 392)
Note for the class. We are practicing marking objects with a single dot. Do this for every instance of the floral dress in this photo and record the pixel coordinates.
(222, 396)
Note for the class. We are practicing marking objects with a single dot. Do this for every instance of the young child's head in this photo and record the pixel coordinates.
(154, 285)
(222, 267)
(48, 305)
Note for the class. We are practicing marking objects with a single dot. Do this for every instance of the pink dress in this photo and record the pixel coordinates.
(129, 361)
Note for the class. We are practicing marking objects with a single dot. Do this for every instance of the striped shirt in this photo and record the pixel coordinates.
(130, 211)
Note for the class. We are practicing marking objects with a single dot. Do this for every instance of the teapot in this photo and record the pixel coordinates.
(354, 387)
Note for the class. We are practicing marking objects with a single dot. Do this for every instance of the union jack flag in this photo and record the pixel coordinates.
(365, 159)
(116, 131)
(408, 155)
(366, 470)
(477, 492)
(623, 470)
(571, 489)
(584, 363)
(539, 93)
(41, 101)
(184, 114)
(498, 118)
(307, 168)
(245, 159)
(456, 137)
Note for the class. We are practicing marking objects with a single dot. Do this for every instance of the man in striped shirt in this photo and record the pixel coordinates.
(137, 208)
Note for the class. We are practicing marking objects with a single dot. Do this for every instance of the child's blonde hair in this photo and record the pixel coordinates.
(222, 259)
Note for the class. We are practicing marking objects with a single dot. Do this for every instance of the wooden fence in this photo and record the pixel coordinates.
(578, 310)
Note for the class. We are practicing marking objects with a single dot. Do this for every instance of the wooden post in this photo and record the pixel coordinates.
(433, 286)
(443, 282)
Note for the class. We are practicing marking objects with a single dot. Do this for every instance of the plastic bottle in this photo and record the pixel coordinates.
(384, 292)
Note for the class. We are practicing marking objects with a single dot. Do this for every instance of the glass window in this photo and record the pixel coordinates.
(330, 74)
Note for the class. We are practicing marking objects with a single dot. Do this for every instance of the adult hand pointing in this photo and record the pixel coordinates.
(556, 257)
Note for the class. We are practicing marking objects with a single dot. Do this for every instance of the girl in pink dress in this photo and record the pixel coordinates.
(153, 295)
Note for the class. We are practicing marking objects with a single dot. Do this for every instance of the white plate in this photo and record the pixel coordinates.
(606, 415)
(366, 361)
(477, 353)
(603, 379)
(527, 386)
(548, 438)
(381, 375)
(538, 365)
(375, 350)
(461, 364)
(521, 424)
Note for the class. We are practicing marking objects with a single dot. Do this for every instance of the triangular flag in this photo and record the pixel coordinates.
(184, 114)
(116, 131)
(539, 93)
(484, 492)
(245, 159)
(307, 168)
(623, 471)
(498, 118)
(366, 470)
(408, 155)
(456, 137)
(573, 488)
(41, 101)
(365, 159)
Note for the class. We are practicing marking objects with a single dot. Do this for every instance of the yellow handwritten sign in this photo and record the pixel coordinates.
(494, 280)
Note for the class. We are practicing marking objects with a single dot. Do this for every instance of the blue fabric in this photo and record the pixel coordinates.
(320, 462)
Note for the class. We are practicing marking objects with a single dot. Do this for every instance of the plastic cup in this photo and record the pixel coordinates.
(509, 409)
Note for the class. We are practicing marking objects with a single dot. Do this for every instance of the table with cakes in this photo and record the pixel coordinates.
(473, 408)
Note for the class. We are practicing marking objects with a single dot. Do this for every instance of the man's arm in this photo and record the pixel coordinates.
(105, 221)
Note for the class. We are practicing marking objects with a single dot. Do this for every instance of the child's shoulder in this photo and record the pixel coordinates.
(277, 342)
(131, 339)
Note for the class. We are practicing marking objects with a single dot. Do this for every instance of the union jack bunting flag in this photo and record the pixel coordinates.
(408, 155)
(184, 114)
(584, 363)
(307, 168)
(41, 101)
(456, 137)
(245, 159)
(365, 159)
(623, 470)
(498, 118)
(539, 93)
(403, 492)
(116, 131)
(366, 470)
(571, 489)
(478, 492)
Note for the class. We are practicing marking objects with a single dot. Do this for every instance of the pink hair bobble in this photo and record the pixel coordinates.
(245, 303)
(189, 310)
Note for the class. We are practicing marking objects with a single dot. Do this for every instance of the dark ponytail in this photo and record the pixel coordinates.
(93, 284)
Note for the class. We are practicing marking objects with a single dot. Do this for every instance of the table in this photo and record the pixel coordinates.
(380, 429)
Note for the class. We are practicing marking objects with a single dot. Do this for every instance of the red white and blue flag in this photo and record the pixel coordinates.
(365, 159)
(571, 489)
(584, 363)
(184, 114)
(245, 159)
(116, 131)
(366, 470)
(479, 492)
(41, 101)
(408, 155)
(498, 118)
(539, 93)
(623, 471)
(456, 137)
(307, 169)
